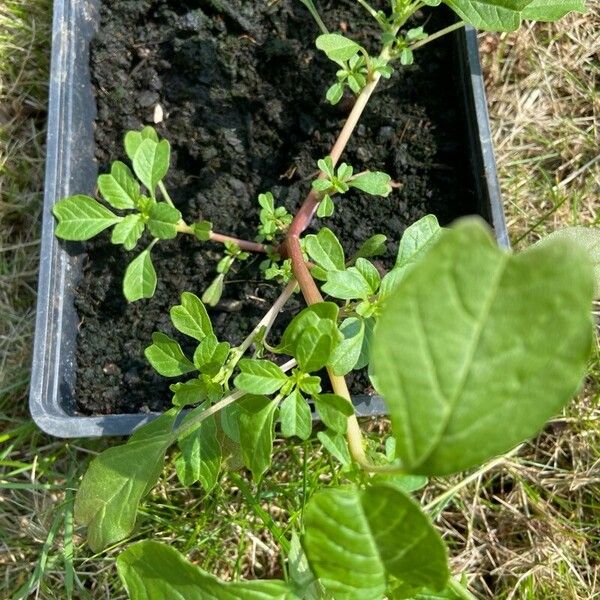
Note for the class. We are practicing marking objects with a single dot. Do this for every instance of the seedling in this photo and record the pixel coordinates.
(473, 348)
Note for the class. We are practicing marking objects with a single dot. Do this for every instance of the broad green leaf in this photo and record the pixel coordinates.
(325, 249)
(128, 231)
(133, 139)
(334, 411)
(190, 317)
(490, 15)
(200, 458)
(354, 539)
(347, 285)
(259, 376)
(255, 419)
(337, 47)
(347, 352)
(336, 445)
(151, 162)
(551, 10)
(113, 486)
(210, 355)
(196, 390)
(480, 347)
(119, 188)
(417, 238)
(140, 278)
(163, 221)
(322, 316)
(154, 571)
(295, 417)
(375, 183)
(81, 218)
(374, 246)
(166, 356)
(588, 239)
(315, 346)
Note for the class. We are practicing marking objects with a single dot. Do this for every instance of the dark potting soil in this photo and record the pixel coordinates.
(242, 89)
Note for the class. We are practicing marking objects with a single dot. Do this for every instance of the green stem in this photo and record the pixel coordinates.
(460, 590)
(437, 34)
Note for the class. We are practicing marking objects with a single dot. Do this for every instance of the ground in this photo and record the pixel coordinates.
(525, 527)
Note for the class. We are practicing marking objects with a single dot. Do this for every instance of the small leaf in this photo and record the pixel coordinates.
(190, 317)
(140, 278)
(151, 570)
(347, 285)
(133, 139)
(373, 182)
(81, 218)
(355, 539)
(347, 352)
(336, 445)
(119, 188)
(113, 486)
(128, 231)
(325, 249)
(476, 322)
(334, 411)
(166, 356)
(151, 162)
(212, 294)
(335, 93)
(259, 376)
(551, 10)
(163, 221)
(295, 417)
(256, 432)
(337, 47)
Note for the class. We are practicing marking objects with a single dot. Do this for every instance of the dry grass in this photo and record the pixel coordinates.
(527, 529)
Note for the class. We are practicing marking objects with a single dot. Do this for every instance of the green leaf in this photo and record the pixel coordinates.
(210, 355)
(256, 432)
(326, 207)
(133, 139)
(200, 458)
(551, 10)
(325, 249)
(479, 347)
(334, 411)
(140, 278)
(166, 356)
(375, 183)
(212, 294)
(347, 352)
(586, 238)
(259, 376)
(322, 316)
(335, 93)
(190, 317)
(154, 571)
(374, 246)
(490, 15)
(195, 391)
(354, 539)
(347, 285)
(163, 221)
(128, 231)
(336, 445)
(417, 239)
(81, 218)
(113, 486)
(119, 188)
(151, 162)
(295, 417)
(337, 47)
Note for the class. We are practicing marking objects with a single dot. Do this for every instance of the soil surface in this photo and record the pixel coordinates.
(242, 90)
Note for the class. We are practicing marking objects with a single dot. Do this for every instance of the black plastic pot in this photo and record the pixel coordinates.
(70, 168)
